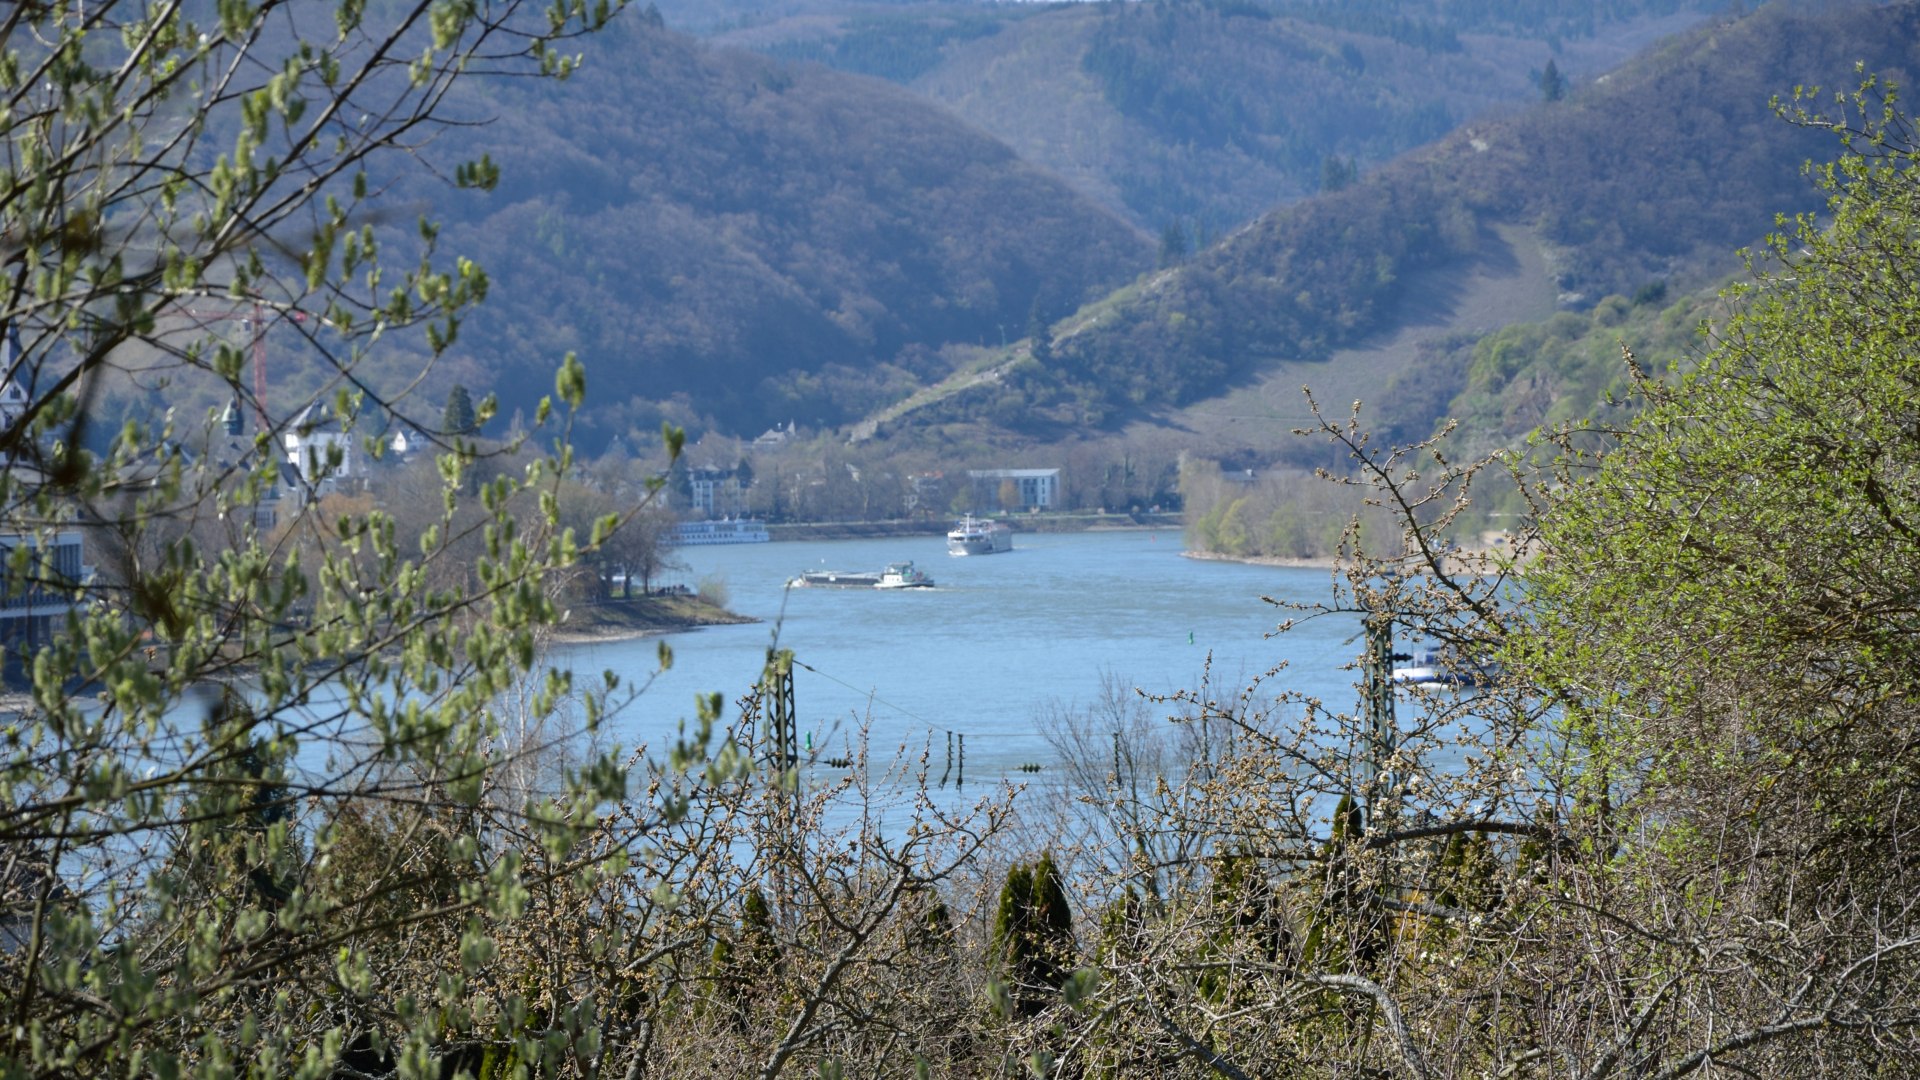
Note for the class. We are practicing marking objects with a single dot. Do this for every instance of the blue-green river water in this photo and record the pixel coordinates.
(985, 652)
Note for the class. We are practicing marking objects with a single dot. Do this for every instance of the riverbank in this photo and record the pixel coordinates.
(1321, 562)
(640, 616)
(938, 526)
(1493, 553)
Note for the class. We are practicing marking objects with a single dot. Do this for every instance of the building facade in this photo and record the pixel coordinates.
(1005, 490)
(715, 493)
(35, 603)
(320, 449)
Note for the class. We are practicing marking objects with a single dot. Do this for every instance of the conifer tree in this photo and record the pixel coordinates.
(1039, 332)
(459, 418)
(1033, 933)
(1553, 85)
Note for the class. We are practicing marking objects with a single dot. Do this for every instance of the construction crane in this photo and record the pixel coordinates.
(254, 319)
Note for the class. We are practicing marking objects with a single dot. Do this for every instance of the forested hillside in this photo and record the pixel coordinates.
(1192, 117)
(1646, 177)
(751, 241)
(1502, 388)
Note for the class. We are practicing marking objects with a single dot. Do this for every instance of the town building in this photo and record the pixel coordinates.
(715, 492)
(34, 604)
(1002, 490)
(13, 399)
(774, 437)
(927, 491)
(320, 448)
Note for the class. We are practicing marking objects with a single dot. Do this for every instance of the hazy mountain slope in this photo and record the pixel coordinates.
(761, 240)
(1209, 115)
(1434, 21)
(1653, 174)
(1201, 114)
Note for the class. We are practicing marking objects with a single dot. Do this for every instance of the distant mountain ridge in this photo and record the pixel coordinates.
(1202, 116)
(1653, 174)
(1197, 115)
(748, 241)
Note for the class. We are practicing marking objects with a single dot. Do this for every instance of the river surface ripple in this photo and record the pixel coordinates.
(1000, 640)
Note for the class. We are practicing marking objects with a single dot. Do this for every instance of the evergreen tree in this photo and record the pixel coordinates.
(1039, 332)
(458, 418)
(1052, 923)
(1553, 85)
(1010, 918)
(1173, 245)
(1033, 934)
(1338, 173)
(743, 963)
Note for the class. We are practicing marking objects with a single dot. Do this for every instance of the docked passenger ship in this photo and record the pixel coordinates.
(723, 531)
(971, 536)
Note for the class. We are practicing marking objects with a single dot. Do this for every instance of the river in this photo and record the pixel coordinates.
(999, 640)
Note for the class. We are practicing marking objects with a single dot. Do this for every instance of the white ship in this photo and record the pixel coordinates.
(1433, 669)
(971, 536)
(724, 531)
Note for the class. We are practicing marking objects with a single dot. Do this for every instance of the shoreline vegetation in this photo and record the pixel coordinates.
(641, 616)
(938, 526)
(1294, 562)
(1487, 555)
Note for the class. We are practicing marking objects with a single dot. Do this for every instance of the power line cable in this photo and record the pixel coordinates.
(869, 694)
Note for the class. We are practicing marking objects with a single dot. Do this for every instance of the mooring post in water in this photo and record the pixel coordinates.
(960, 781)
(948, 771)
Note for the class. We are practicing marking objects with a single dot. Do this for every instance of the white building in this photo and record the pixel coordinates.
(13, 399)
(405, 441)
(1015, 489)
(320, 449)
(774, 437)
(715, 493)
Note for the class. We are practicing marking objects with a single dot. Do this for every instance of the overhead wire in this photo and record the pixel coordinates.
(872, 696)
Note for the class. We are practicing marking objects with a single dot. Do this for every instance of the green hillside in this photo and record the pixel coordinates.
(1563, 370)
(748, 241)
(1566, 369)
(1648, 177)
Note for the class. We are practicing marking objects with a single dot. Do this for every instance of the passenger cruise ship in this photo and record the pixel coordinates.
(724, 531)
(971, 536)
